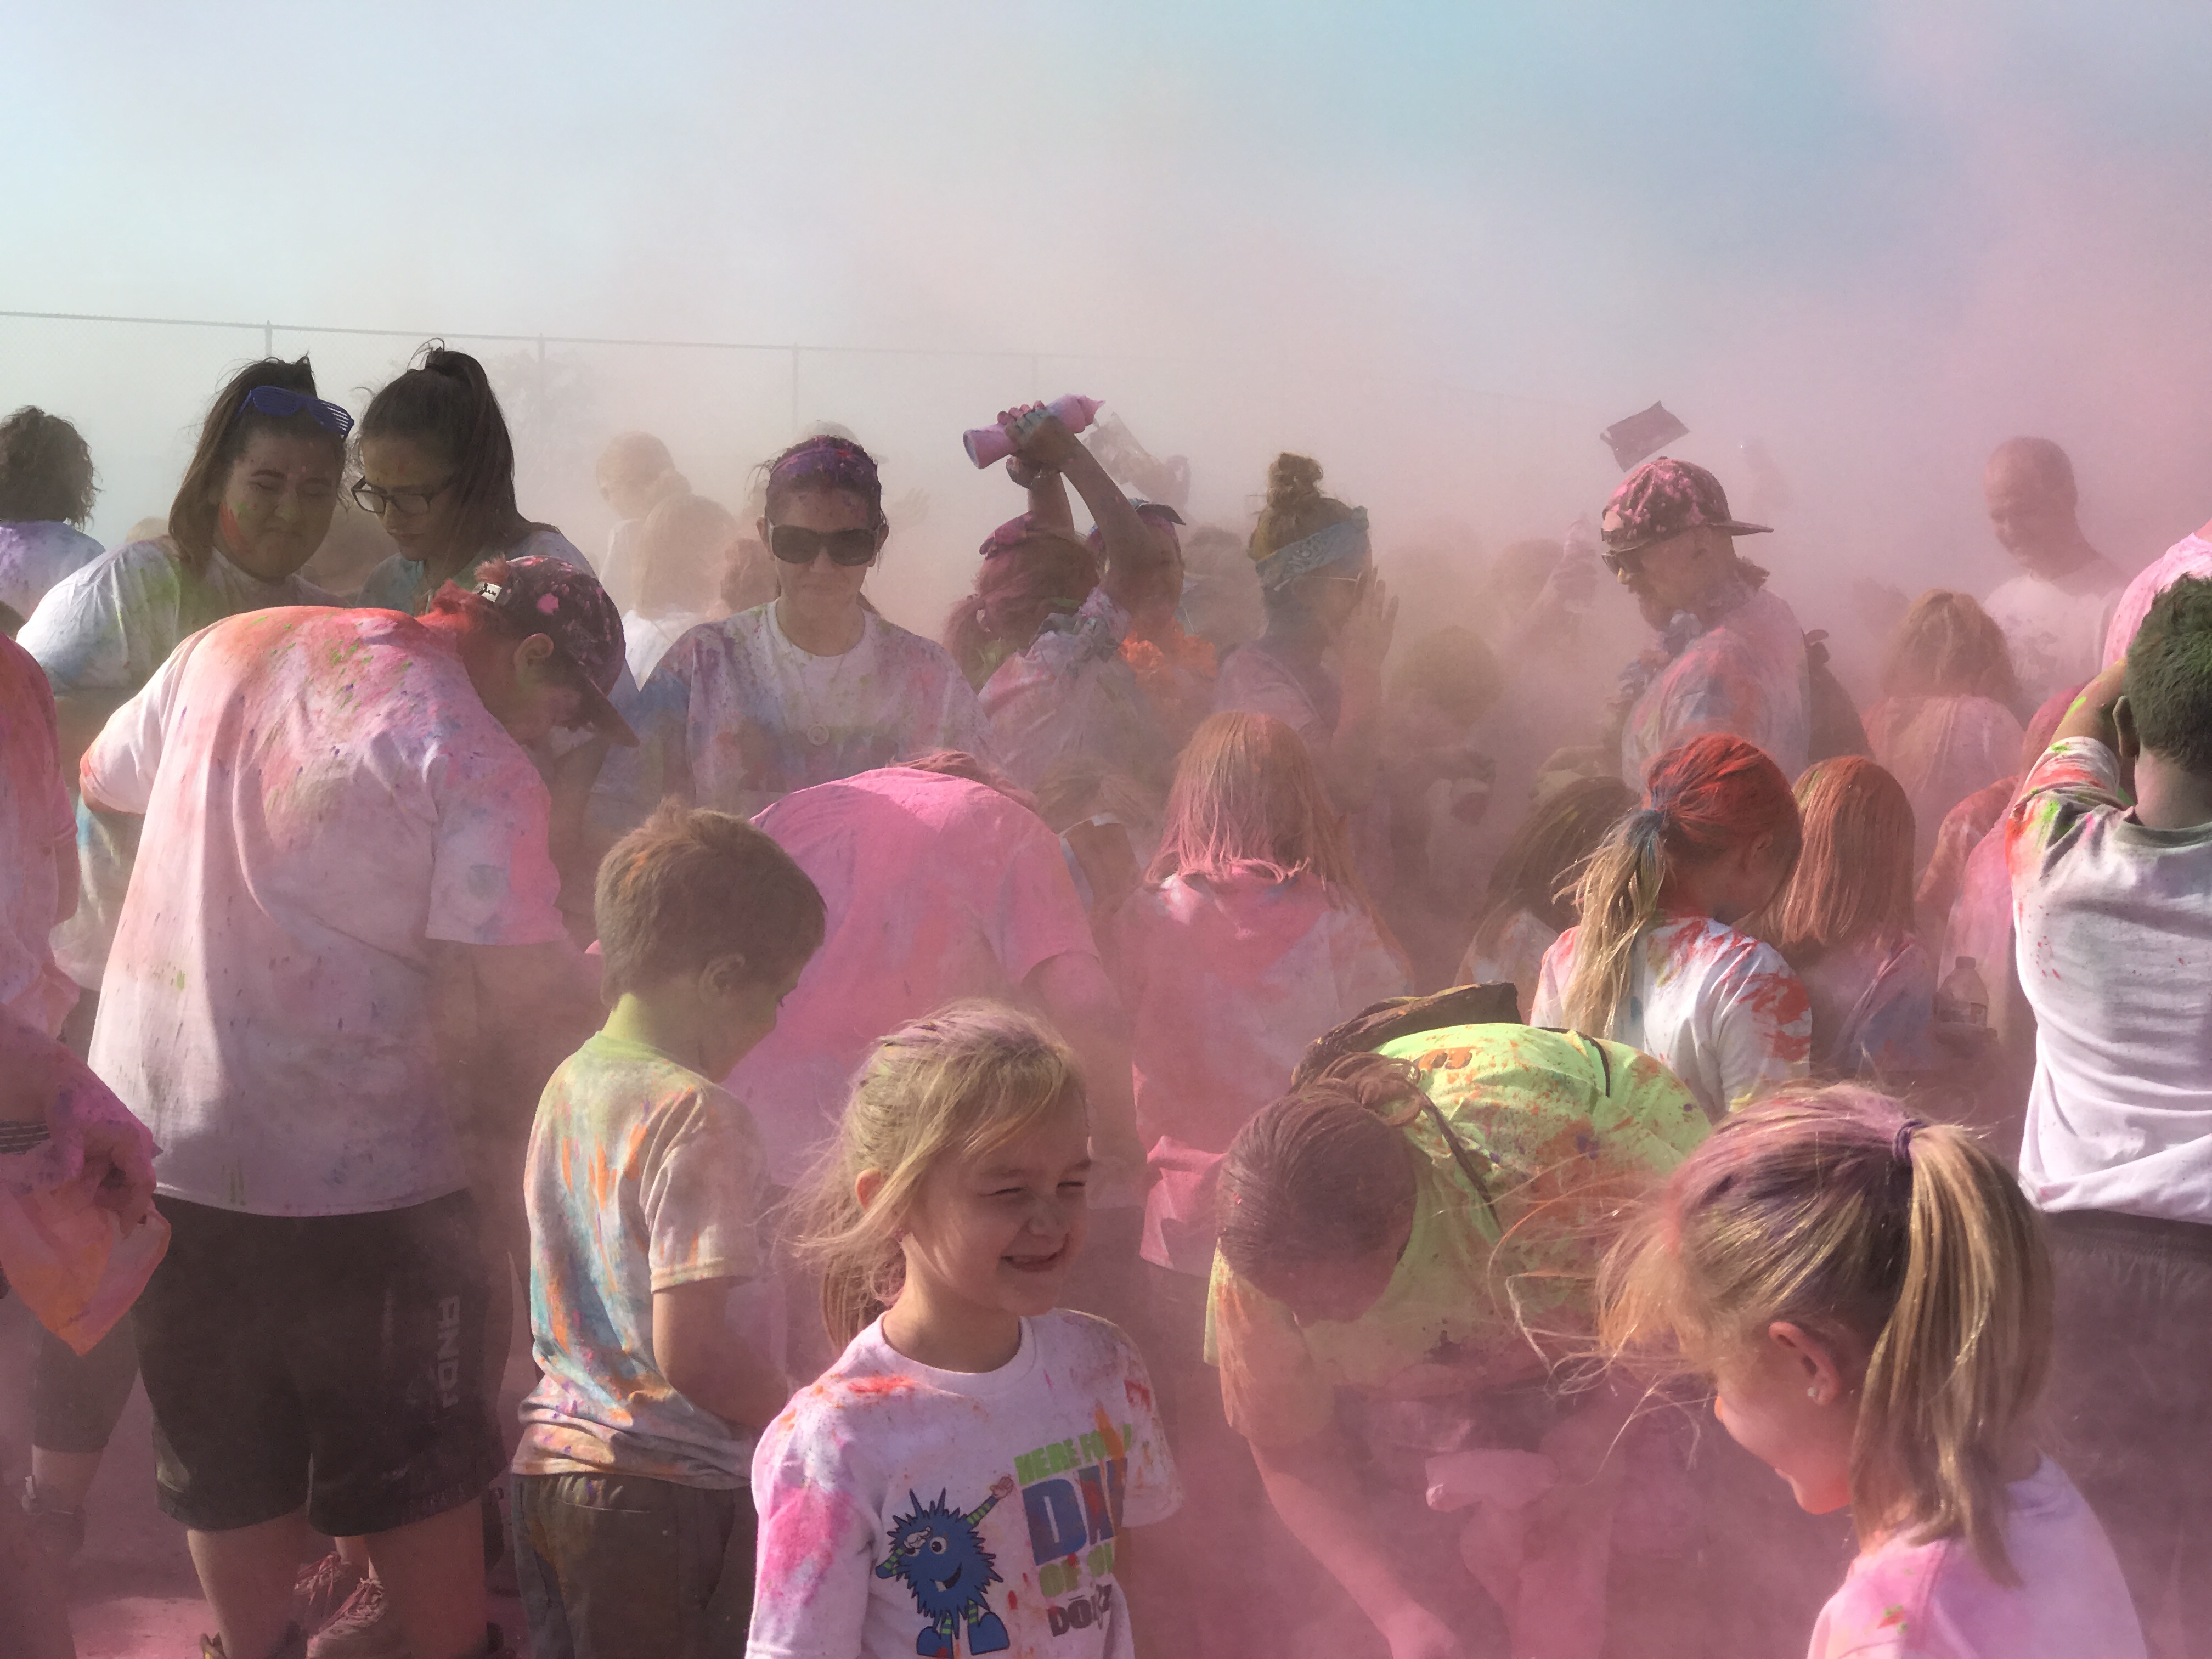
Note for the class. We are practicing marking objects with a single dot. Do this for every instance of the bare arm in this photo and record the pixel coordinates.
(707, 1362)
(2091, 716)
(1313, 1490)
(1046, 442)
(1081, 1003)
(1047, 492)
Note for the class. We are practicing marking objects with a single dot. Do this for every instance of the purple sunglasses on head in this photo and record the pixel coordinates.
(279, 402)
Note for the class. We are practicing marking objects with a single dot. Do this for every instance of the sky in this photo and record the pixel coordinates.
(1437, 246)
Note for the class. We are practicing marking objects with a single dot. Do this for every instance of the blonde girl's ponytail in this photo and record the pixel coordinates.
(1703, 799)
(963, 1080)
(1962, 1359)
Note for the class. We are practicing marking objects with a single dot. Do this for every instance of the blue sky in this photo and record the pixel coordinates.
(1878, 236)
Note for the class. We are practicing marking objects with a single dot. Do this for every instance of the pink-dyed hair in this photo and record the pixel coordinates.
(1247, 797)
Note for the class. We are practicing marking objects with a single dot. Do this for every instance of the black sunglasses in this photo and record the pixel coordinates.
(1623, 564)
(795, 545)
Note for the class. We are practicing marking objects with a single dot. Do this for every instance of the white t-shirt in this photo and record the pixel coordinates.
(1746, 673)
(2190, 556)
(935, 888)
(106, 628)
(34, 555)
(897, 1500)
(645, 639)
(736, 716)
(2113, 924)
(324, 794)
(1226, 984)
(2057, 628)
(1905, 1600)
(642, 1176)
(1721, 1009)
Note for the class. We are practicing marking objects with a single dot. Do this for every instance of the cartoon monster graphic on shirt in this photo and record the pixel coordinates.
(939, 1555)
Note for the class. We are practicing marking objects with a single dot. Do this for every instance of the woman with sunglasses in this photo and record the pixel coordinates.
(1323, 602)
(809, 688)
(438, 471)
(253, 507)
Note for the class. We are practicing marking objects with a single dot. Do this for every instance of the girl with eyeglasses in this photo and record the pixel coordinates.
(437, 470)
(253, 506)
(809, 688)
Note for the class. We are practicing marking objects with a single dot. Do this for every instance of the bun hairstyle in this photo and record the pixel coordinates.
(445, 404)
(1325, 1173)
(1854, 880)
(224, 435)
(1947, 646)
(1295, 509)
(46, 469)
(828, 461)
(961, 1082)
(1902, 1241)
(1703, 799)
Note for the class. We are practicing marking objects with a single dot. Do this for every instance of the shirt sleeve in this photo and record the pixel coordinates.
(2076, 780)
(1762, 1024)
(492, 880)
(816, 1547)
(118, 769)
(1272, 1391)
(1152, 1488)
(701, 1200)
(106, 627)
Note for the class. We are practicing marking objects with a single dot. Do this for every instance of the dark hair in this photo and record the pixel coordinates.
(46, 470)
(1324, 1173)
(1545, 858)
(2169, 680)
(688, 885)
(825, 462)
(447, 406)
(224, 435)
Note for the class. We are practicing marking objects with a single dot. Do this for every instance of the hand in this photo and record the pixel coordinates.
(1039, 436)
(127, 1153)
(1025, 472)
(1365, 639)
(1417, 1633)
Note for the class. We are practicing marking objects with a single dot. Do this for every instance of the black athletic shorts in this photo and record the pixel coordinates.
(335, 1362)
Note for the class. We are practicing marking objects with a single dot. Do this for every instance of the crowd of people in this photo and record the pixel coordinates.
(1190, 1114)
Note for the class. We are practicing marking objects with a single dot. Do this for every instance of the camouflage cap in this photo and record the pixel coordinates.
(1662, 499)
(567, 605)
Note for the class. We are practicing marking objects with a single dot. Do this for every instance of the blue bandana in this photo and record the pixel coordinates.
(1333, 545)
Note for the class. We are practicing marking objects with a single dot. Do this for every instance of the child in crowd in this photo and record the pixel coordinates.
(1531, 897)
(1871, 1298)
(1945, 725)
(2109, 845)
(633, 1528)
(1656, 959)
(945, 1223)
(1843, 923)
(683, 552)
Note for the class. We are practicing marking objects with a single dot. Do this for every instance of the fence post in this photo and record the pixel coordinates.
(794, 393)
(269, 339)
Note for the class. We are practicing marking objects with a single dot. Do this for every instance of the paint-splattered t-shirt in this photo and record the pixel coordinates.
(1515, 954)
(403, 584)
(106, 628)
(905, 1510)
(35, 821)
(1226, 984)
(936, 888)
(642, 1175)
(736, 716)
(1562, 1129)
(2057, 628)
(1071, 693)
(1935, 1601)
(1942, 749)
(1745, 673)
(34, 555)
(2114, 948)
(324, 794)
(2190, 556)
(1720, 1008)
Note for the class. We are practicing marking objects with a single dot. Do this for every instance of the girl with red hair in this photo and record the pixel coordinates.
(1656, 960)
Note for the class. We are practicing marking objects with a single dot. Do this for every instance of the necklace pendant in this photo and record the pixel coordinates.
(817, 735)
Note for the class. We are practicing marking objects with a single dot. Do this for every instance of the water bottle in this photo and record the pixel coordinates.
(1962, 999)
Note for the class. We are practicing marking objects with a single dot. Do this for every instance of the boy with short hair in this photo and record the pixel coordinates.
(633, 1518)
(2114, 902)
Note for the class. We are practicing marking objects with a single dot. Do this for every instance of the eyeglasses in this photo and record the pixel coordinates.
(795, 545)
(277, 401)
(1623, 564)
(407, 503)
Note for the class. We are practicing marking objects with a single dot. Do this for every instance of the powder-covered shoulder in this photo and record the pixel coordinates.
(1086, 1347)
